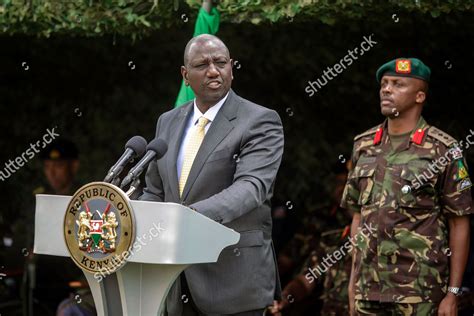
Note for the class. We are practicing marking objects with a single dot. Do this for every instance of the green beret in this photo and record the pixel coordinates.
(404, 67)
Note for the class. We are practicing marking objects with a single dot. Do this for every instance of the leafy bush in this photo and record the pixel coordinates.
(138, 18)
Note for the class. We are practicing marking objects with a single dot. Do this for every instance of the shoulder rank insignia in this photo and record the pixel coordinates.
(378, 136)
(441, 136)
(417, 136)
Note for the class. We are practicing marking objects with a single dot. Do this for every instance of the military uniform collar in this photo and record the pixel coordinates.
(416, 136)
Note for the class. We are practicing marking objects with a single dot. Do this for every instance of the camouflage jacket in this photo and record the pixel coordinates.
(406, 195)
(335, 276)
(336, 280)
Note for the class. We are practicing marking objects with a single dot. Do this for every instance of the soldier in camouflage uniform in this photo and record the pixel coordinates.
(304, 289)
(410, 183)
(334, 278)
(326, 216)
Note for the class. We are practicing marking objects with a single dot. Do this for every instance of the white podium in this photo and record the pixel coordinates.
(171, 237)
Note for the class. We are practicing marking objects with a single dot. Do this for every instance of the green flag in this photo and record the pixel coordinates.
(206, 23)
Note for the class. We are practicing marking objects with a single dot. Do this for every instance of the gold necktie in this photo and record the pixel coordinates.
(190, 151)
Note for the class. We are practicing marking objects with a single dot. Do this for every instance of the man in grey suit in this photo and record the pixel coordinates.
(226, 174)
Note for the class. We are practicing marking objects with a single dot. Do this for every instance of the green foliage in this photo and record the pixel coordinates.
(84, 18)
(138, 18)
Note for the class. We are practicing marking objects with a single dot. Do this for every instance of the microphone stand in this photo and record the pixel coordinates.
(133, 186)
(115, 181)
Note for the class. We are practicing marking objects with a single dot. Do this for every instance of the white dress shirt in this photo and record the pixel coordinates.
(210, 115)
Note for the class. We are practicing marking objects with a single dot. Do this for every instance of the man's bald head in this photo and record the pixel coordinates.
(207, 69)
(201, 40)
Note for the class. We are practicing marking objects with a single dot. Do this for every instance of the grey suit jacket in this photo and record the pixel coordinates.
(231, 181)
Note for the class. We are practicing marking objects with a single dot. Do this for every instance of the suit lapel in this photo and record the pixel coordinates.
(177, 130)
(219, 129)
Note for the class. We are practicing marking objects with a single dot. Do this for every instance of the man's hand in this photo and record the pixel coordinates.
(354, 229)
(351, 297)
(459, 245)
(207, 5)
(278, 306)
(448, 306)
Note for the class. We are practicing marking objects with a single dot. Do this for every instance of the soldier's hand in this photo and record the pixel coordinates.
(275, 309)
(352, 311)
(448, 306)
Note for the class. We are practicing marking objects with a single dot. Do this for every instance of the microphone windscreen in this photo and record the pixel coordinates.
(138, 144)
(159, 146)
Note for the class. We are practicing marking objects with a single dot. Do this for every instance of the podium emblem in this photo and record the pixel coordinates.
(99, 227)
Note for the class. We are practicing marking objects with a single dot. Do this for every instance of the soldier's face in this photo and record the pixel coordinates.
(400, 94)
(59, 173)
(208, 71)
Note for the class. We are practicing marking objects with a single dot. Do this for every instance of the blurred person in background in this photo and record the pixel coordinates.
(325, 232)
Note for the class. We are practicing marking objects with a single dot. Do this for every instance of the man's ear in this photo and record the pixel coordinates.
(184, 73)
(232, 68)
(420, 97)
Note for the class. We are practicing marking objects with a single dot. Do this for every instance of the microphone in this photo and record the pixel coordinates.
(156, 149)
(134, 148)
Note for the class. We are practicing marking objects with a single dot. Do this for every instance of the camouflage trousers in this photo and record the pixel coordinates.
(374, 308)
